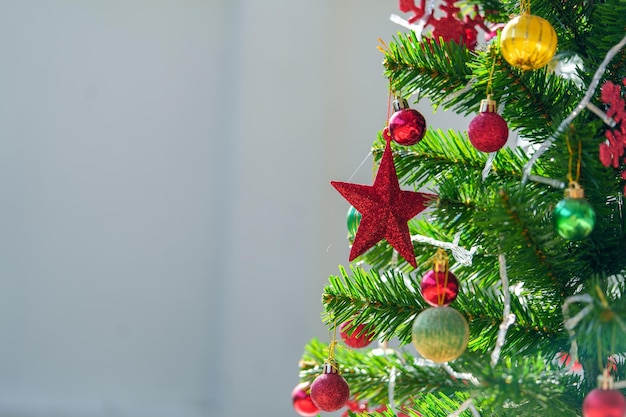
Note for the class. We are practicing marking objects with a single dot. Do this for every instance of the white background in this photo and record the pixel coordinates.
(167, 221)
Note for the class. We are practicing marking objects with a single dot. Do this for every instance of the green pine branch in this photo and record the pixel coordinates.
(514, 386)
(436, 69)
(497, 215)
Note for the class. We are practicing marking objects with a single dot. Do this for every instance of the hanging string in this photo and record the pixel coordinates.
(571, 159)
(390, 96)
(525, 6)
(360, 166)
(441, 266)
(489, 92)
(599, 343)
(331, 347)
(583, 104)
(460, 254)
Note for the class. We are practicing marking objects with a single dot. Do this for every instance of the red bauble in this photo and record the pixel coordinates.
(330, 391)
(407, 126)
(302, 400)
(604, 403)
(439, 288)
(488, 132)
(357, 337)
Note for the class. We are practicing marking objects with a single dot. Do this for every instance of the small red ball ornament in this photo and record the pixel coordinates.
(439, 287)
(330, 391)
(301, 399)
(356, 337)
(406, 126)
(488, 132)
(604, 403)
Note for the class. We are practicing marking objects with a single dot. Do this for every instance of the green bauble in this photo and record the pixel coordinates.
(574, 218)
(440, 334)
(353, 218)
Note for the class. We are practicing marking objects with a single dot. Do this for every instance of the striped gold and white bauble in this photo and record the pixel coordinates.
(528, 42)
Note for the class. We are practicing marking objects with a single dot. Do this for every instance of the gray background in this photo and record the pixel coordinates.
(167, 223)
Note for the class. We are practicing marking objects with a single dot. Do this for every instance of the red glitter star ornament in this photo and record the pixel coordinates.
(385, 210)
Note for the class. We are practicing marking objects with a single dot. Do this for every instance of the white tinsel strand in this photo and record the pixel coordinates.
(488, 165)
(466, 376)
(474, 411)
(570, 323)
(548, 181)
(507, 318)
(469, 403)
(582, 105)
(392, 387)
(602, 115)
(460, 254)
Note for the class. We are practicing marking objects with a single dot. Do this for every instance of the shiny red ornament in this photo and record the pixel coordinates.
(355, 337)
(385, 210)
(301, 399)
(488, 132)
(330, 391)
(406, 126)
(604, 403)
(439, 288)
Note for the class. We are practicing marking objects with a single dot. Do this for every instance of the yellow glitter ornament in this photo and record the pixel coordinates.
(528, 42)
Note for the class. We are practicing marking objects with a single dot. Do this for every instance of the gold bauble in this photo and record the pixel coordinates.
(440, 334)
(528, 42)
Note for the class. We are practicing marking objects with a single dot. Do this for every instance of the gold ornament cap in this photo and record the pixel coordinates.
(488, 105)
(606, 381)
(331, 368)
(400, 103)
(574, 191)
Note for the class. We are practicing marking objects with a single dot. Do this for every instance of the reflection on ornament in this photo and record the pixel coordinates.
(353, 218)
(407, 126)
(528, 42)
(301, 400)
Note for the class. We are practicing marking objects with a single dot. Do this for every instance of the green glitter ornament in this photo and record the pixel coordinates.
(574, 217)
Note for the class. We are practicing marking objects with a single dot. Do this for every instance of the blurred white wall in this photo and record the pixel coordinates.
(167, 224)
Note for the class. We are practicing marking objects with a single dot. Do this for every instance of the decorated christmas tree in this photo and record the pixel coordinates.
(487, 266)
